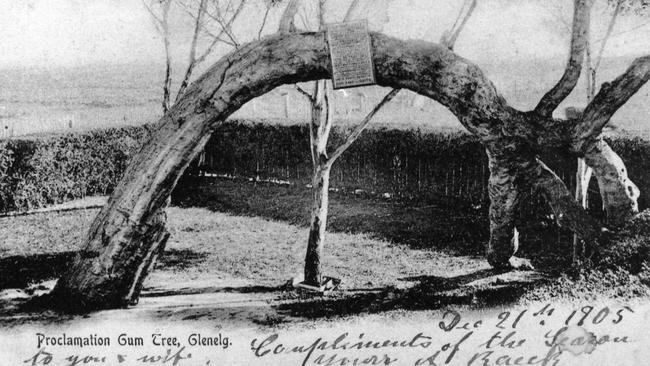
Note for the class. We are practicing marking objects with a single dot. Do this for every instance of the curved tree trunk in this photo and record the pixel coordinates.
(127, 229)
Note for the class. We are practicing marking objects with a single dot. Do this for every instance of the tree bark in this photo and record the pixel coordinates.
(578, 47)
(122, 285)
(619, 194)
(508, 186)
(127, 229)
(319, 127)
(318, 224)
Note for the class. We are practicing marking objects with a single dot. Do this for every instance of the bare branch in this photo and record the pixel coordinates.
(218, 38)
(225, 26)
(269, 4)
(287, 24)
(191, 63)
(449, 38)
(608, 33)
(305, 93)
(566, 84)
(157, 20)
(627, 30)
(162, 26)
(161, 22)
(351, 9)
(609, 99)
(362, 126)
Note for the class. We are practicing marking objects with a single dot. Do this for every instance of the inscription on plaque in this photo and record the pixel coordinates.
(350, 52)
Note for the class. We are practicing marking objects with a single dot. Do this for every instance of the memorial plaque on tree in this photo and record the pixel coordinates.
(351, 54)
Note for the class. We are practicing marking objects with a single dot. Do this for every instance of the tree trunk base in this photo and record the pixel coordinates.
(94, 288)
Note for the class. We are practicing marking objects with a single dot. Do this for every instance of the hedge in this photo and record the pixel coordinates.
(405, 164)
(44, 170)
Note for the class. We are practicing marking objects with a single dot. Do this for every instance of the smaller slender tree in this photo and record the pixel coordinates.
(320, 126)
(322, 111)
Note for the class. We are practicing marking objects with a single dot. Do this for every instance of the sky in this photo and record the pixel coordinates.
(50, 33)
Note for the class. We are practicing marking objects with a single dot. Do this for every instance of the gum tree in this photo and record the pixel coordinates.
(125, 237)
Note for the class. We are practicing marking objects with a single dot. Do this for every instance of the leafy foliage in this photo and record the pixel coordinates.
(47, 170)
(401, 164)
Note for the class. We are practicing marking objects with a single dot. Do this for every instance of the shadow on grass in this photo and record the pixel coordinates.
(429, 293)
(286, 306)
(441, 223)
(179, 259)
(21, 271)
(215, 290)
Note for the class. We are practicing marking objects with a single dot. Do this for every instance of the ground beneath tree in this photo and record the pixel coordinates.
(233, 270)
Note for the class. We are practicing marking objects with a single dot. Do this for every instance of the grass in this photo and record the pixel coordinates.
(392, 257)
(447, 224)
(268, 252)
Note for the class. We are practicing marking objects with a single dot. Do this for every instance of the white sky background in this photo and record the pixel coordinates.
(46, 33)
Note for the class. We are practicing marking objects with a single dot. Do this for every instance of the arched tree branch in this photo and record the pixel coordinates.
(130, 226)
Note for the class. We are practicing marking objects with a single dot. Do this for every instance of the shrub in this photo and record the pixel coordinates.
(629, 249)
(44, 170)
(406, 164)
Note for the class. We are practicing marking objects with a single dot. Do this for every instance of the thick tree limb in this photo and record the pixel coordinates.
(608, 100)
(568, 81)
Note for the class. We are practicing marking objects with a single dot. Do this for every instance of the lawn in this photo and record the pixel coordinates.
(390, 256)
